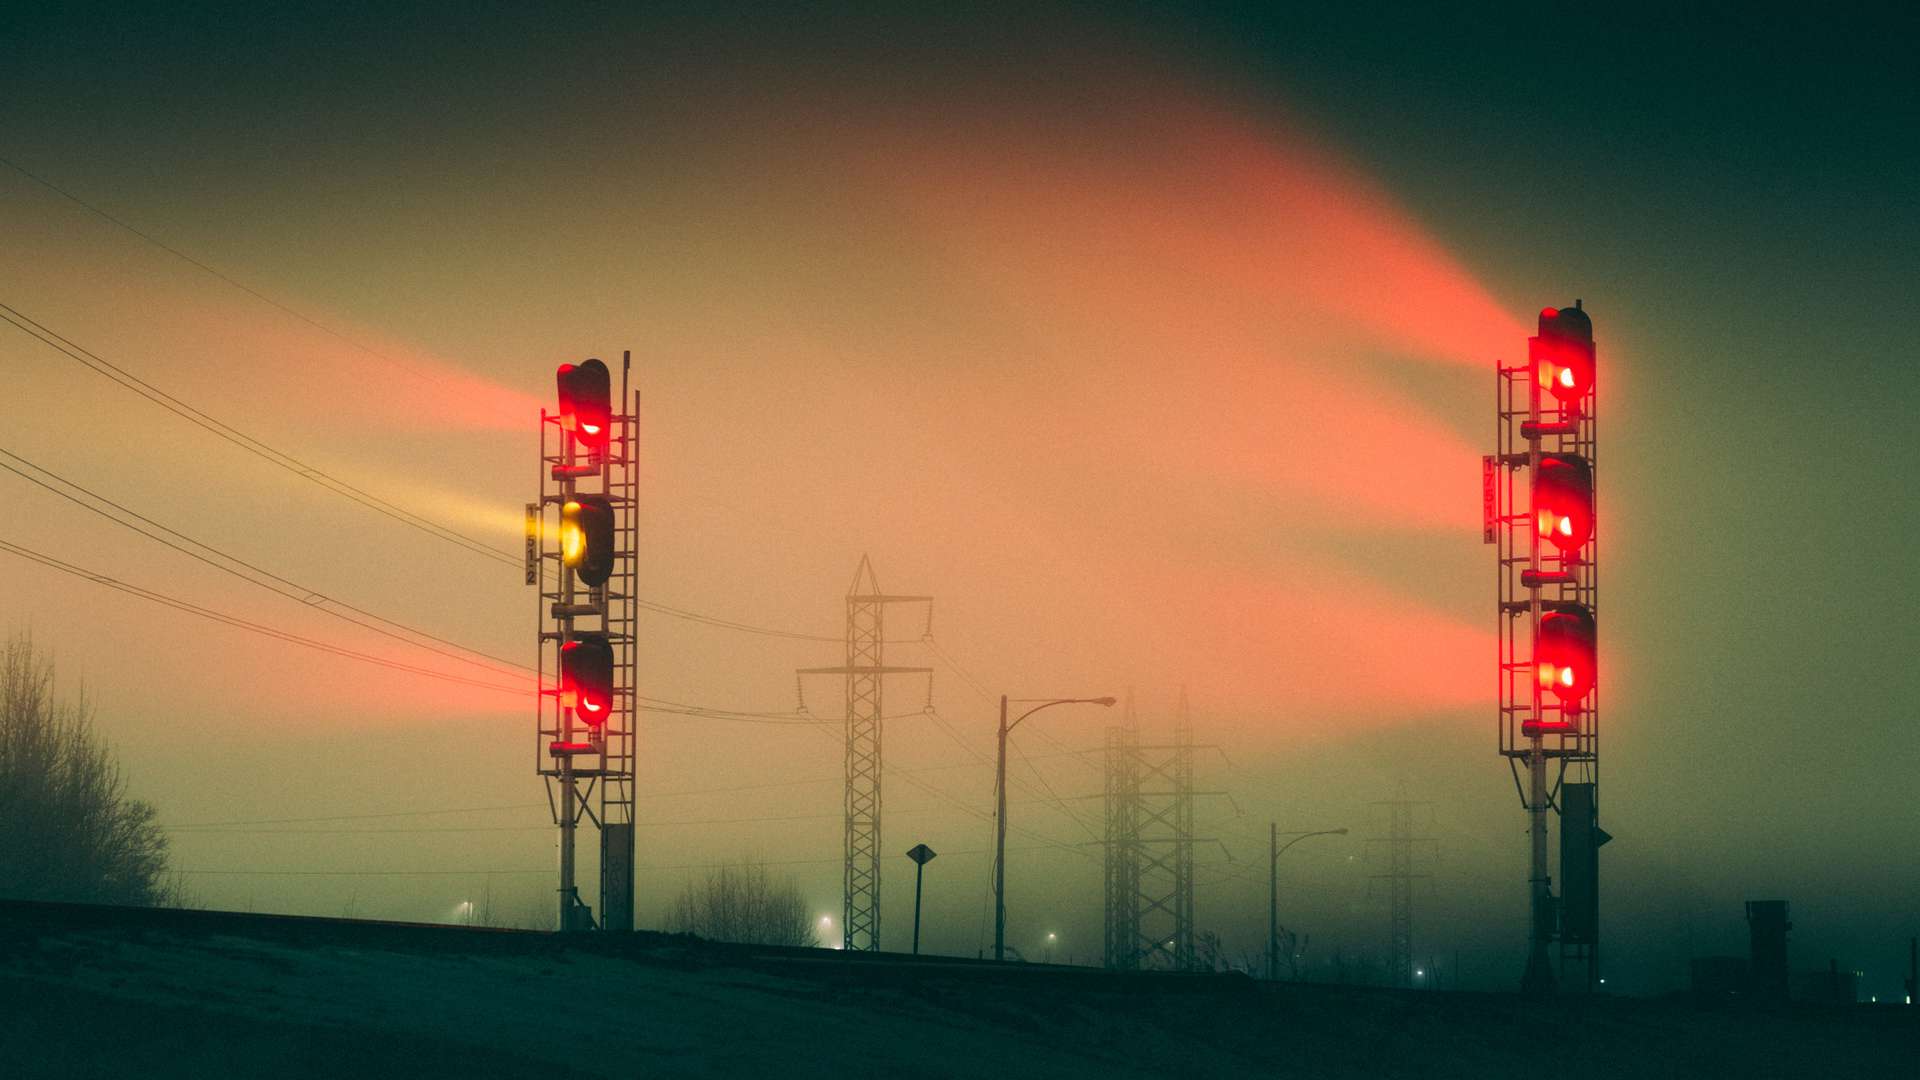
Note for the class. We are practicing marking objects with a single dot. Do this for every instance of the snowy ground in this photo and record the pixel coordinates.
(99, 999)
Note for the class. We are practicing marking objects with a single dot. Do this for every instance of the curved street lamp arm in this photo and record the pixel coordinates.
(1060, 701)
(1303, 836)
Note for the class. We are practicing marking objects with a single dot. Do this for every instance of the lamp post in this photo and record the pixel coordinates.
(1000, 813)
(1274, 851)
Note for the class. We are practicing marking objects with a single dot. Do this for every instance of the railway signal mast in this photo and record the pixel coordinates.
(585, 567)
(1539, 502)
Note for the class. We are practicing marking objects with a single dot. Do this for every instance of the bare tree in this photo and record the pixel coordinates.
(746, 903)
(68, 831)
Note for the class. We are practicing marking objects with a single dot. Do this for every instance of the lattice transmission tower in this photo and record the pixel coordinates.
(1399, 879)
(1149, 841)
(1122, 861)
(865, 672)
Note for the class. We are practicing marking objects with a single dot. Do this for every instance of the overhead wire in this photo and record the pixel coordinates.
(729, 789)
(246, 624)
(253, 574)
(643, 702)
(250, 829)
(546, 870)
(121, 376)
(186, 258)
(126, 379)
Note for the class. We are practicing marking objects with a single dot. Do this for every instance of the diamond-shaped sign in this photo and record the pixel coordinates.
(921, 854)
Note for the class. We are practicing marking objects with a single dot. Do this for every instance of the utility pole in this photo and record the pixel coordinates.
(1274, 850)
(1273, 901)
(1000, 839)
(864, 670)
(1000, 812)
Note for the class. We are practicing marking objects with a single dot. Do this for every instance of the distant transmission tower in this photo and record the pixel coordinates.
(865, 671)
(1399, 877)
(1149, 839)
(1184, 957)
(1123, 844)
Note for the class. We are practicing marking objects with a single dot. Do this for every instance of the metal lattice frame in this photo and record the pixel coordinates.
(1122, 862)
(1399, 880)
(1400, 893)
(865, 671)
(1184, 959)
(866, 617)
(1150, 846)
(1530, 424)
(564, 610)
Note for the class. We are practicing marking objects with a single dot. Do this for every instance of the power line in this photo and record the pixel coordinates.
(655, 705)
(245, 624)
(986, 696)
(548, 870)
(275, 583)
(363, 817)
(184, 257)
(225, 830)
(728, 790)
(126, 379)
(358, 873)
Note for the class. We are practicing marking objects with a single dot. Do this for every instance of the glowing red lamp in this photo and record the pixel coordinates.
(586, 678)
(1565, 653)
(1563, 355)
(586, 402)
(1563, 502)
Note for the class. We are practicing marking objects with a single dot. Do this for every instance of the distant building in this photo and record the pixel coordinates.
(1832, 986)
(1767, 928)
(1718, 980)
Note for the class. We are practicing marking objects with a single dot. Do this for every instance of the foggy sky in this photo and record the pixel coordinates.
(1159, 350)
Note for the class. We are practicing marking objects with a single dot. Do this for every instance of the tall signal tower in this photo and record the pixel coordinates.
(865, 672)
(1539, 511)
(582, 555)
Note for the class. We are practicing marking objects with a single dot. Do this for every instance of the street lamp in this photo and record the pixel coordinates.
(1274, 851)
(1000, 816)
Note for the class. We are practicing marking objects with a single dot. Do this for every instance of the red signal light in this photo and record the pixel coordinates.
(1563, 502)
(1565, 654)
(586, 678)
(1563, 355)
(586, 402)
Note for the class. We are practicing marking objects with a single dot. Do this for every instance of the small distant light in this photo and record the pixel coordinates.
(1420, 973)
(1603, 982)
(1050, 937)
(826, 920)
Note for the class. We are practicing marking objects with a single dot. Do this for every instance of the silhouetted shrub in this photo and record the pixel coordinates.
(67, 829)
(746, 903)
